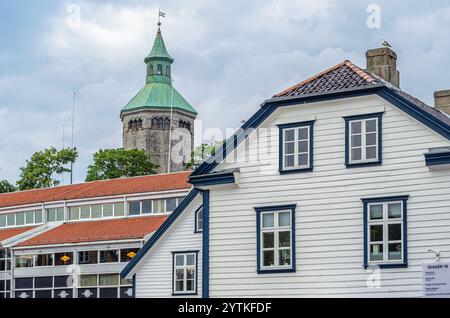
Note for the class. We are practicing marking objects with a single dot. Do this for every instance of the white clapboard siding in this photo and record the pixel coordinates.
(154, 274)
(329, 221)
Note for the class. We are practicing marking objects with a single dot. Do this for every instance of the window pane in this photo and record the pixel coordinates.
(376, 233)
(88, 257)
(268, 258)
(371, 139)
(43, 282)
(289, 161)
(284, 219)
(289, 148)
(107, 210)
(3, 220)
(303, 146)
(179, 274)
(371, 125)
(65, 293)
(51, 215)
(190, 273)
(303, 159)
(395, 251)
(284, 239)
(267, 220)
(158, 206)
(119, 209)
(60, 214)
(85, 212)
(376, 212)
(371, 152)
(135, 208)
(394, 232)
(190, 259)
(394, 210)
(179, 286)
(128, 254)
(97, 211)
(289, 135)
(63, 281)
(20, 218)
(63, 259)
(126, 292)
(23, 283)
(376, 252)
(29, 217)
(355, 127)
(200, 220)
(190, 285)
(43, 294)
(44, 260)
(87, 293)
(109, 256)
(24, 261)
(285, 257)
(88, 280)
(179, 260)
(356, 141)
(171, 204)
(108, 279)
(356, 154)
(268, 240)
(303, 133)
(74, 213)
(147, 206)
(38, 216)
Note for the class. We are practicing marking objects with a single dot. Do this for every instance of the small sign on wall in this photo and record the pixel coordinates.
(436, 280)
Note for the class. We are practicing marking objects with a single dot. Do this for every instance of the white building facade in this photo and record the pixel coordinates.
(336, 187)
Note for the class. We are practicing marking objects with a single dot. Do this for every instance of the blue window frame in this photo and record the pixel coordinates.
(198, 220)
(385, 232)
(275, 230)
(363, 140)
(184, 273)
(296, 147)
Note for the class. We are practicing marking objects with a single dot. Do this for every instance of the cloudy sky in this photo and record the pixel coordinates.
(229, 57)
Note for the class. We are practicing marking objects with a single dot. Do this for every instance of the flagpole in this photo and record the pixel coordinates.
(170, 132)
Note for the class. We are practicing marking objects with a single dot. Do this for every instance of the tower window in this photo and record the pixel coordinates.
(152, 71)
(161, 123)
(160, 69)
(135, 124)
(168, 70)
(184, 124)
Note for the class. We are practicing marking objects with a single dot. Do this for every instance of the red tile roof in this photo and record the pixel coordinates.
(9, 233)
(98, 231)
(152, 183)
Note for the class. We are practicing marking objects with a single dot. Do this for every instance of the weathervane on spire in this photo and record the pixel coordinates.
(160, 14)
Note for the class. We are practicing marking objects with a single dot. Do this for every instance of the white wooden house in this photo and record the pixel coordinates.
(336, 187)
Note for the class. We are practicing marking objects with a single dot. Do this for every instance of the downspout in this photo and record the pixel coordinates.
(205, 245)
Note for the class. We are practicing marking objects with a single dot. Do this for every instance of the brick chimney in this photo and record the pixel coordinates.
(383, 63)
(442, 101)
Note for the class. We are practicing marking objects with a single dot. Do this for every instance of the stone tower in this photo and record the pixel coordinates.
(158, 117)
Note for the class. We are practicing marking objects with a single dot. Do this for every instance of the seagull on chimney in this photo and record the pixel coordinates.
(385, 44)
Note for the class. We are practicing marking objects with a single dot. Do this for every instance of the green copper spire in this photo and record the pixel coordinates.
(158, 93)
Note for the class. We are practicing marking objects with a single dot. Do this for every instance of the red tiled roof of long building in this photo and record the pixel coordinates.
(9, 233)
(145, 184)
(98, 231)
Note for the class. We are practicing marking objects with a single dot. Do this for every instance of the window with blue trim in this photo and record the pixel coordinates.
(363, 140)
(199, 220)
(185, 273)
(276, 239)
(385, 232)
(296, 147)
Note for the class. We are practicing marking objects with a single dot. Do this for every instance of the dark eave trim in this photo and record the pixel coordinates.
(435, 159)
(159, 233)
(212, 179)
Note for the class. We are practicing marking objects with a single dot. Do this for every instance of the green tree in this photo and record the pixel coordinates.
(6, 187)
(118, 163)
(44, 166)
(201, 153)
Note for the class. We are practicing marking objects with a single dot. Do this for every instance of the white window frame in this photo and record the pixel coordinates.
(296, 153)
(197, 219)
(275, 230)
(363, 140)
(184, 267)
(385, 222)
